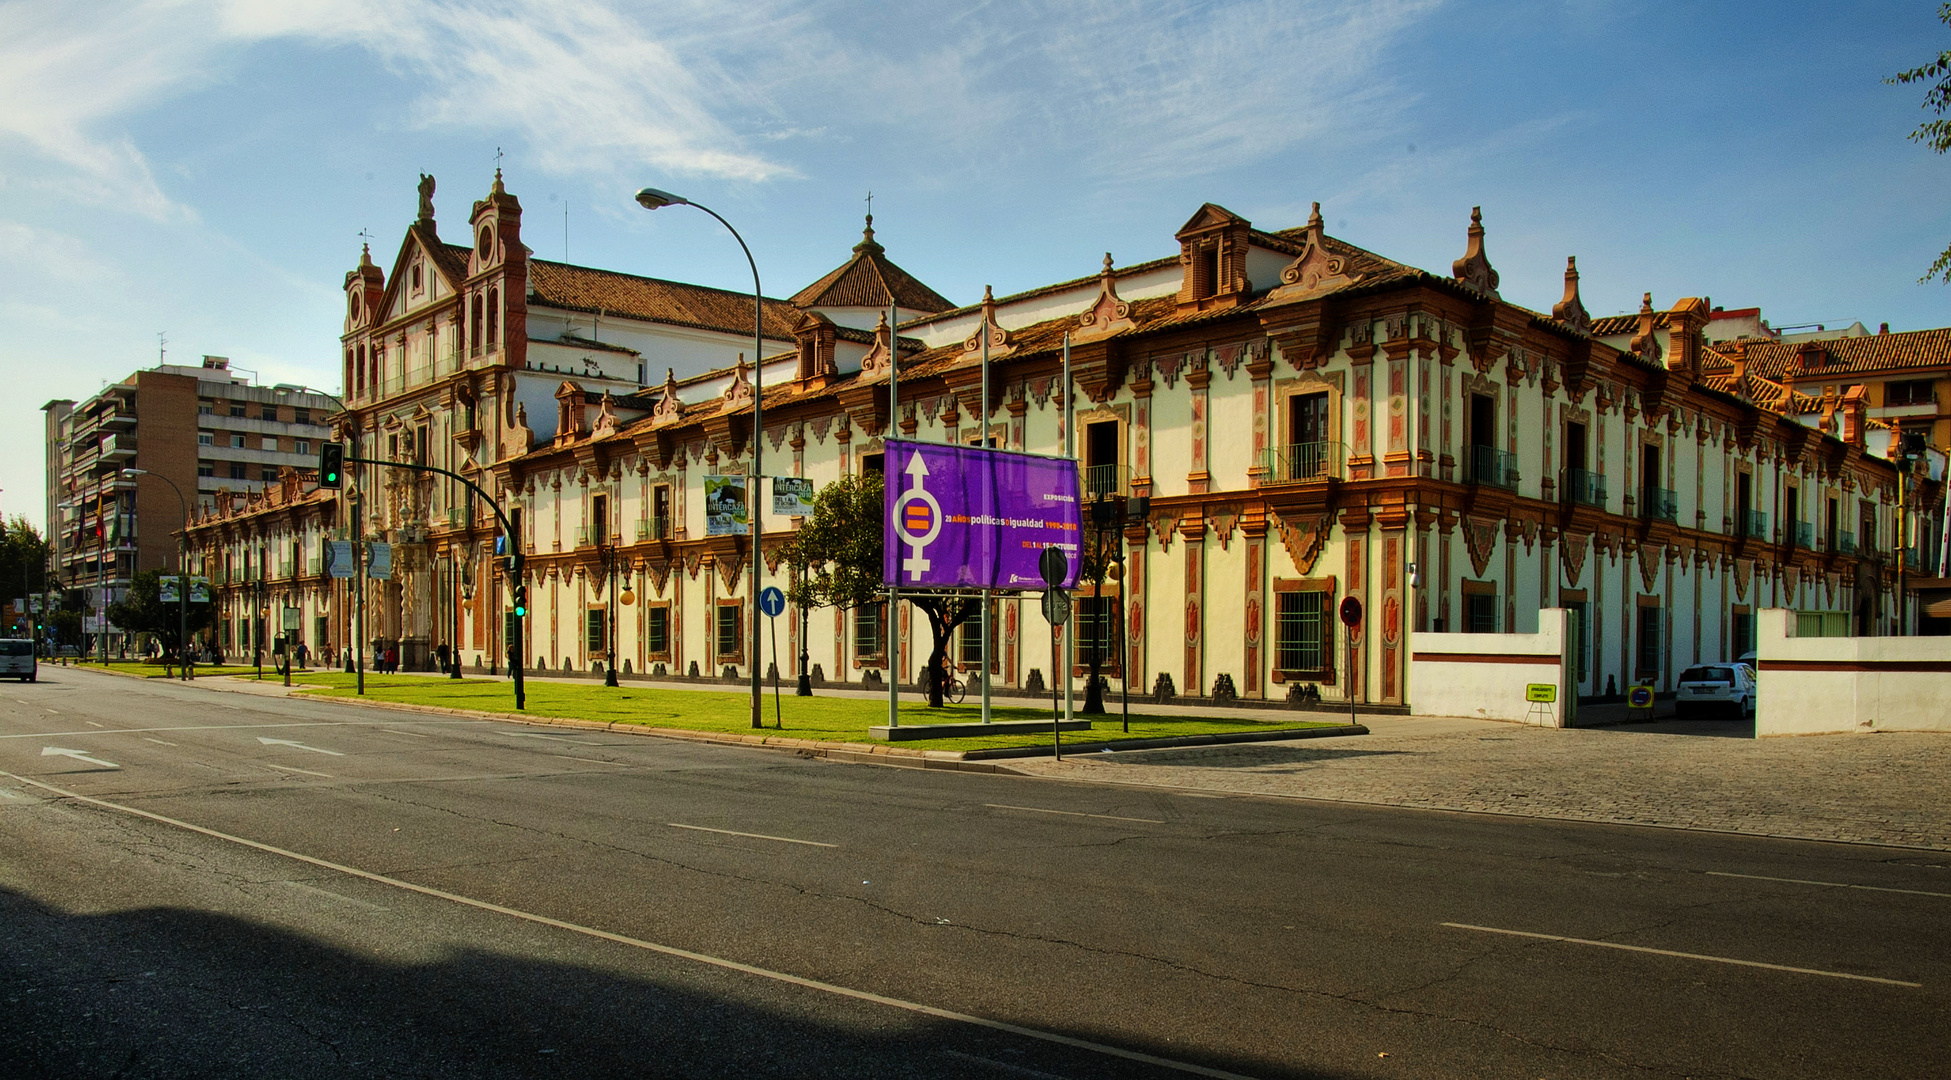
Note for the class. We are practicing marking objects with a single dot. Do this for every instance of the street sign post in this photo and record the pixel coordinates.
(1351, 617)
(772, 603)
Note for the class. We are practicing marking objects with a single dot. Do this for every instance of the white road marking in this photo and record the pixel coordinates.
(397, 731)
(1684, 955)
(90, 723)
(1829, 884)
(55, 751)
(158, 742)
(1072, 813)
(663, 950)
(235, 727)
(293, 768)
(296, 745)
(753, 835)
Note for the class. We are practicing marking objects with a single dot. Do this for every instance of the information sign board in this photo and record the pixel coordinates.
(970, 517)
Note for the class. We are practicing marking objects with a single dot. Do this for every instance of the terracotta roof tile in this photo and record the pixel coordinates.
(583, 288)
(870, 279)
(1876, 354)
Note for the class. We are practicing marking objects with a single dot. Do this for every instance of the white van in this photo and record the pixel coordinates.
(17, 659)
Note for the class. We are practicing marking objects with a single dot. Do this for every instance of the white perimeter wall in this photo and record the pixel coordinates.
(1819, 686)
(1485, 675)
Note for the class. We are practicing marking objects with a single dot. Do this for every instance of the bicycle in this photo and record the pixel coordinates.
(954, 690)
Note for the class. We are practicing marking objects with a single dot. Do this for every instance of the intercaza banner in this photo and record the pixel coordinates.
(971, 518)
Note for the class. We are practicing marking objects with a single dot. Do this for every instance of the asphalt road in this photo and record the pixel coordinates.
(229, 885)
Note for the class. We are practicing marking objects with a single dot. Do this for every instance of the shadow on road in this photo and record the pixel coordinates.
(165, 992)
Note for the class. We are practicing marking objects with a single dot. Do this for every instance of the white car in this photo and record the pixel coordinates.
(1716, 687)
(17, 659)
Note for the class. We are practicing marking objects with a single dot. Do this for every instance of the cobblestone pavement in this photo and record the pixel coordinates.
(1888, 788)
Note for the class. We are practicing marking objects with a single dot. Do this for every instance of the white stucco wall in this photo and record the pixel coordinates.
(1484, 675)
(1817, 686)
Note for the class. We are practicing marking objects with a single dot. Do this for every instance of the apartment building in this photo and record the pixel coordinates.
(206, 429)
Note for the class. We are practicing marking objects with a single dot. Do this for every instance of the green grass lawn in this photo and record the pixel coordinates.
(832, 718)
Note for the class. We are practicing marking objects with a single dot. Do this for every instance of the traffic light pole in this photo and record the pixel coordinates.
(514, 559)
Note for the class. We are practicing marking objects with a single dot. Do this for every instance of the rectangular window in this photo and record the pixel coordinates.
(268, 475)
(1907, 392)
(599, 519)
(1480, 611)
(657, 631)
(237, 442)
(301, 446)
(1300, 632)
(206, 438)
(1741, 636)
(1581, 628)
(1647, 663)
(301, 416)
(970, 654)
(873, 463)
(660, 512)
(1101, 459)
(205, 408)
(270, 442)
(237, 408)
(238, 471)
(596, 631)
(868, 642)
(205, 468)
(1093, 616)
(729, 632)
(270, 413)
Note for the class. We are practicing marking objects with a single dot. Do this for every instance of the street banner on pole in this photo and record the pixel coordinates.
(379, 560)
(792, 496)
(338, 558)
(725, 505)
(974, 518)
(167, 591)
(199, 590)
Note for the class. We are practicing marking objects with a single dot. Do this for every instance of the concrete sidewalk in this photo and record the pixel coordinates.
(1889, 788)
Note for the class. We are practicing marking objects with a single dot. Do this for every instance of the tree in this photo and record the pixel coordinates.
(836, 562)
(143, 611)
(23, 560)
(1935, 134)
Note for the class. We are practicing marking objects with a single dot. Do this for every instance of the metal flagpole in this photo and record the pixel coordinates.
(1070, 451)
(984, 443)
(890, 469)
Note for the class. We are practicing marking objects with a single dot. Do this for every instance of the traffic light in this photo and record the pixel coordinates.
(331, 464)
(521, 601)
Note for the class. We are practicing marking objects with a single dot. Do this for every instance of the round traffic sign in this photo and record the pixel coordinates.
(771, 600)
(1351, 611)
(1640, 697)
(1053, 566)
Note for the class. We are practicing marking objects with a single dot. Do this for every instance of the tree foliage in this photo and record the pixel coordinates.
(836, 562)
(142, 610)
(836, 557)
(1935, 134)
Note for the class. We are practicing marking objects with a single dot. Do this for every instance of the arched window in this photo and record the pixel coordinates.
(494, 315)
(474, 336)
(348, 371)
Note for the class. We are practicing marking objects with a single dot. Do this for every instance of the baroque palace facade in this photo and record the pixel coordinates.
(1308, 421)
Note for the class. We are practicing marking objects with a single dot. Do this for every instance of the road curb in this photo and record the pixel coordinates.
(978, 761)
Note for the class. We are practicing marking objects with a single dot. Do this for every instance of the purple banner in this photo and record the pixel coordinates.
(963, 517)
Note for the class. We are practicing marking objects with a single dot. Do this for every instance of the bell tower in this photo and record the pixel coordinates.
(497, 281)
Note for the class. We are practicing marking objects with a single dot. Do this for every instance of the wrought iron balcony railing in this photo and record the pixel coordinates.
(1585, 488)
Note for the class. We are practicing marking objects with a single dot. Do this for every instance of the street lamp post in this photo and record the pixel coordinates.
(182, 569)
(653, 199)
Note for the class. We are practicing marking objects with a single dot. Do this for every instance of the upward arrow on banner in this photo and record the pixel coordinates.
(930, 519)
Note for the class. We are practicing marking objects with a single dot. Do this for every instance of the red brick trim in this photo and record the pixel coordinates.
(1487, 658)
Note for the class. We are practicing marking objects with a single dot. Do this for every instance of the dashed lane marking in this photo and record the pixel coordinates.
(1072, 813)
(1830, 884)
(752, 835)
(664, 950)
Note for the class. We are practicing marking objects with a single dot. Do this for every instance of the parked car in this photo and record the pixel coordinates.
(1716, 687)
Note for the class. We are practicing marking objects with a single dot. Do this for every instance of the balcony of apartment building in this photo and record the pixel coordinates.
(119, 449)
(1905, 399)
(1582, 498)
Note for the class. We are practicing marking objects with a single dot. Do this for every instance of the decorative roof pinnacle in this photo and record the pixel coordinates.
(1474, 268)
(867, 244)
(497, 188)
(1571, 310)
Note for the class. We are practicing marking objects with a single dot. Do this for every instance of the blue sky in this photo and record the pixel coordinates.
(204, 168)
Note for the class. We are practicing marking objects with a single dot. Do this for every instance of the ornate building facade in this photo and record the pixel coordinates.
(1307, 420)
